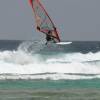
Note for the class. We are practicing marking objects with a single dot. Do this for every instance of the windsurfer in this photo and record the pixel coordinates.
(44, 22)
(49, 37)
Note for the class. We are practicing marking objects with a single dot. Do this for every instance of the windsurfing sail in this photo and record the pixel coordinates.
(43, 21)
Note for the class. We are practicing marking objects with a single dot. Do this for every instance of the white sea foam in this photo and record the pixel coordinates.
(76, 57)
(47, 76)
(34, 68)
(21, 64)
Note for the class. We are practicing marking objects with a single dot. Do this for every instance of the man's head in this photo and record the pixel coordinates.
(38, 28)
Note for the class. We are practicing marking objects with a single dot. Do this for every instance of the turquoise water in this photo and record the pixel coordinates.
(50, 90)
(49, 84)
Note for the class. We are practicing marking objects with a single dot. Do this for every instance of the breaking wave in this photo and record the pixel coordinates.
(28, 62)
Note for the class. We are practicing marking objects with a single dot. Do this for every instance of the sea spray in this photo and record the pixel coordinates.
(29, 63)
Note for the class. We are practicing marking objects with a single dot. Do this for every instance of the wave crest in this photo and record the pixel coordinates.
(29, 60)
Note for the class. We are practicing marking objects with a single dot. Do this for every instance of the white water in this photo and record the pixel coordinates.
(24, 65)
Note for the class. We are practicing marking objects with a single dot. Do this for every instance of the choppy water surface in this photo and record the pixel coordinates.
(31, 70)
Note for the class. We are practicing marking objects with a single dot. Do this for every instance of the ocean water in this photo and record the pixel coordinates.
(31, 70)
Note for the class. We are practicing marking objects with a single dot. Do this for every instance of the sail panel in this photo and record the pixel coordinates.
(43, 20)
